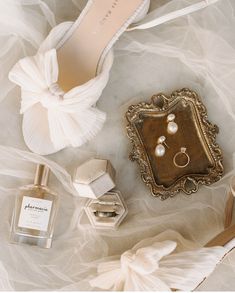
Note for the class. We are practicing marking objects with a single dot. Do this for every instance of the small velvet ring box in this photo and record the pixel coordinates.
(105, 208)
(108, 211)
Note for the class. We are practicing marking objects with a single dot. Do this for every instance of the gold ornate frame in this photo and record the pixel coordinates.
(147, 122)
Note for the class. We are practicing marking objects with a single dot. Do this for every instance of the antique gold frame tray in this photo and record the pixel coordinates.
(148, 121)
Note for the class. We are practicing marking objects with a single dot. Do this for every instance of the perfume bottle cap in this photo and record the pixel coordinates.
(42, 175)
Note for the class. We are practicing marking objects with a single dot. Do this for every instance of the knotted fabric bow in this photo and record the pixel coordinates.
(54, 119)
(156, 268)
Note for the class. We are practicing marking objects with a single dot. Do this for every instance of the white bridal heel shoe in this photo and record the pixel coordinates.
(61, 84)
(167, 262)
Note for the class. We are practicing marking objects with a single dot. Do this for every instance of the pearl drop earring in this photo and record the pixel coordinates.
(172, 127)
(160, 149)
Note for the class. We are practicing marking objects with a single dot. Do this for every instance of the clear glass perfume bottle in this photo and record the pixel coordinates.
(35, 211)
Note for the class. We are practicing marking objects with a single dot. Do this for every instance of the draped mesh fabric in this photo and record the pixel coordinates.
(195, 51)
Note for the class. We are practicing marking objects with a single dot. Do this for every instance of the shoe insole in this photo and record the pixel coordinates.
(79, 56)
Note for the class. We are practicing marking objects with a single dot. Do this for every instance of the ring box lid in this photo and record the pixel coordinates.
(94, 178)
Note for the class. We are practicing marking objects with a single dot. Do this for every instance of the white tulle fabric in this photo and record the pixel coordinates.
(154, 18)
(197, 51)
(163, 262)
(157, 268)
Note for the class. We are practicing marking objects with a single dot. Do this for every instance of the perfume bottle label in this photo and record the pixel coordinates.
(35, 213)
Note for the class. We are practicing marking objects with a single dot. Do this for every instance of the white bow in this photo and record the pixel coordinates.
(156, 268)
(54, 119)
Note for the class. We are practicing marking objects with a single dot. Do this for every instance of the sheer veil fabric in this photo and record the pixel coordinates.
(195, 51)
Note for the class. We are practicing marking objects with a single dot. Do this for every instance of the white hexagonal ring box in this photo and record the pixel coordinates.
(108, 211)
(94, 178)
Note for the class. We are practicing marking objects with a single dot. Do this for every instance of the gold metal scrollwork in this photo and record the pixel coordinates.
(147, 122)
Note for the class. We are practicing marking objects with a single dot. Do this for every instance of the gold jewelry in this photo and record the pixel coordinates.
(182, 157)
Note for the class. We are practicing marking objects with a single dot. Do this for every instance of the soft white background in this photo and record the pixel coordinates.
(196, 51)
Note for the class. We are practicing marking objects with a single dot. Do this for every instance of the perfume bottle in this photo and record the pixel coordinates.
(35, 211)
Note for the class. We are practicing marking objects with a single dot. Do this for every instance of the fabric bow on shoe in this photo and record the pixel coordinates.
(54, 119)
(157, 268)
(134, 270)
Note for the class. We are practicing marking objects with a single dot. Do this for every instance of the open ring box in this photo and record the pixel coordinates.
(95, 179)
